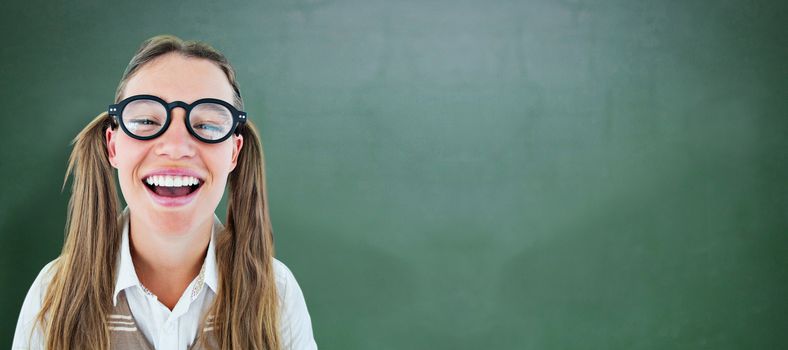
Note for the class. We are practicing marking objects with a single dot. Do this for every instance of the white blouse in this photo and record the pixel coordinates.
(176, 328)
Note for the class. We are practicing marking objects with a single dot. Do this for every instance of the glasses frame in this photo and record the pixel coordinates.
(116, 111)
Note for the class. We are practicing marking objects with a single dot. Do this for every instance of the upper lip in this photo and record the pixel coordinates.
(174, 172)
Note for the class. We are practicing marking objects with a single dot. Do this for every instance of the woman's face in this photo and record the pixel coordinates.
(176, 152)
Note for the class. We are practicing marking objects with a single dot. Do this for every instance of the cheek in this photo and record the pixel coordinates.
(221, 160)
(220, 163)
(128, 156)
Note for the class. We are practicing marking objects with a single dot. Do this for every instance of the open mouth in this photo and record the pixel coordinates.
(172, 185)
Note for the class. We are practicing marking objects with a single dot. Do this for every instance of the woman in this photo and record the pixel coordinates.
(164, 273)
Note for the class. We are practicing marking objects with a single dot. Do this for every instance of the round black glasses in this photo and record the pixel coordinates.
(145, 117)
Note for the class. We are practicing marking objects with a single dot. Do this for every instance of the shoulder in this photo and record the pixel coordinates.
(39, 287)
(295, 322)
(282, 275)
(287, 287)
(24, 336)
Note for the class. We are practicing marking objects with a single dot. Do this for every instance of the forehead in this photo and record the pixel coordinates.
(175, 77)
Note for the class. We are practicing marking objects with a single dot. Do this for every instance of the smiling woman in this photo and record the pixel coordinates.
(164, 273)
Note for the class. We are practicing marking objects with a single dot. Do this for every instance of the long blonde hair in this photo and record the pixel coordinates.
(79, 297)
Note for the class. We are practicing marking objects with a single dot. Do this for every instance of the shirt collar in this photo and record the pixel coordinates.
(127, 275)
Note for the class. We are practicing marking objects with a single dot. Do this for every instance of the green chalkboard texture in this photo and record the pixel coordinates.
(567, 174)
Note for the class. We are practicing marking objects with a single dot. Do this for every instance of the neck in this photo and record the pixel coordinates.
(166, 261)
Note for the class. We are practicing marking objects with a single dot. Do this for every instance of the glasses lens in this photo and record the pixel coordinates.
(144, 117)
(211, 121)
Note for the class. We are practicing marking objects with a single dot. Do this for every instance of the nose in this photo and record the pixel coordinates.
(176, 142)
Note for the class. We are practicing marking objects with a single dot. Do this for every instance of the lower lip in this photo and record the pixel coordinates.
(172, 201)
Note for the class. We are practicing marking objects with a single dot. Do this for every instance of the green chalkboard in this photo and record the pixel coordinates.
(462, 174)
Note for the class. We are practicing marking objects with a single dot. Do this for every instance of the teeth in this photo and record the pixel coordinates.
(171, 181)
